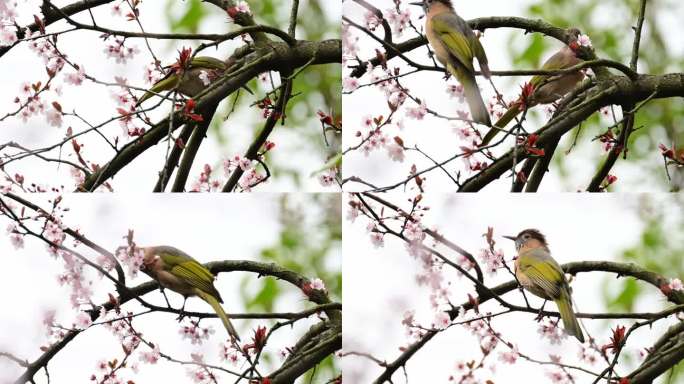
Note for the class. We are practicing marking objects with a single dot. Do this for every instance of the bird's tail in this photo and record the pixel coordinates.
(477, 107)
(570, 322)
(510, 114)
(211, 300)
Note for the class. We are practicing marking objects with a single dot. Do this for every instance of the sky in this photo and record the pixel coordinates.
(209, 228)
(438, 139)
(578, 228)
(86, 48)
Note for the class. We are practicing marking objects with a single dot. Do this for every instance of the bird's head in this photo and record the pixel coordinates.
(428, 4)
(573, 35)
(529, 238)
(150, 261)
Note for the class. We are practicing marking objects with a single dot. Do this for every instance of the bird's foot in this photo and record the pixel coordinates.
(540, 315)
(181, 316)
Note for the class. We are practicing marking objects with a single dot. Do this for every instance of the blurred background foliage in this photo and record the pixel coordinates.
(316, 88)
(660, 249)
(609, 24)
(310, 243)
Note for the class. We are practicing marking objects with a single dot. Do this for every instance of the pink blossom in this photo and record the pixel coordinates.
(353, 212)
(417, 113)
(493, 261)
(318, 284)
(414, 231)
(7, 36)
(377, 239)
(328, 177)
(150, 357)
(243, 7)
(371, 20)
(195, 333)
(552, 332)
(398, 20)
(409, 318)
(395, 152)
(350, 84)
(559, 377)
(83, 321)
(244, 163)
(117, 50)
(442, 320)
(456, 91)
(509, 357)
(676, 285)
(584, 41)
(131, 257)
(17, 241)
(250, 179)
(54, 118)
(75, 78)
(116, 10)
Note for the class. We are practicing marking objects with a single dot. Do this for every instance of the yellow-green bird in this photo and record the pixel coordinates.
(541, 89)
(189, 80)
(179, 272)
(455, 46)
(540, 274)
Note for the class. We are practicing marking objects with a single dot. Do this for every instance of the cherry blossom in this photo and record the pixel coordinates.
(584, 41)
(552, 332)
(54, 117)
(509, 357)
(75, 78)
(377, 239)
(151, 357)
(417, 113)
(328, 177)
(318, 284)
(83, 321)
(399, 20)
(395, 152)
(442, 320)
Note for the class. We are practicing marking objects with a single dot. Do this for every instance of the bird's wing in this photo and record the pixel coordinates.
(207, 62)
(169, 82)
(453, 33)
(197, 276)
(560, 60)
(543, 271)
(183, 266)
(478, 51)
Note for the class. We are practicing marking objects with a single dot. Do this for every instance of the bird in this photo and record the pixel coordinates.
(189, 75)
(179, 272)
(544, 89)
(455, 46)
(541, 275)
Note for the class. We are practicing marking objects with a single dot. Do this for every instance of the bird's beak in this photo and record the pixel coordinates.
(419, 3)
(510, 237)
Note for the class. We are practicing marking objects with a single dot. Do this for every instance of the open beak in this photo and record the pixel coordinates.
(510, 237)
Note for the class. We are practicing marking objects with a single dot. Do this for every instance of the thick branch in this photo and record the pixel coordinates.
(617, 90)
(276, 57)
